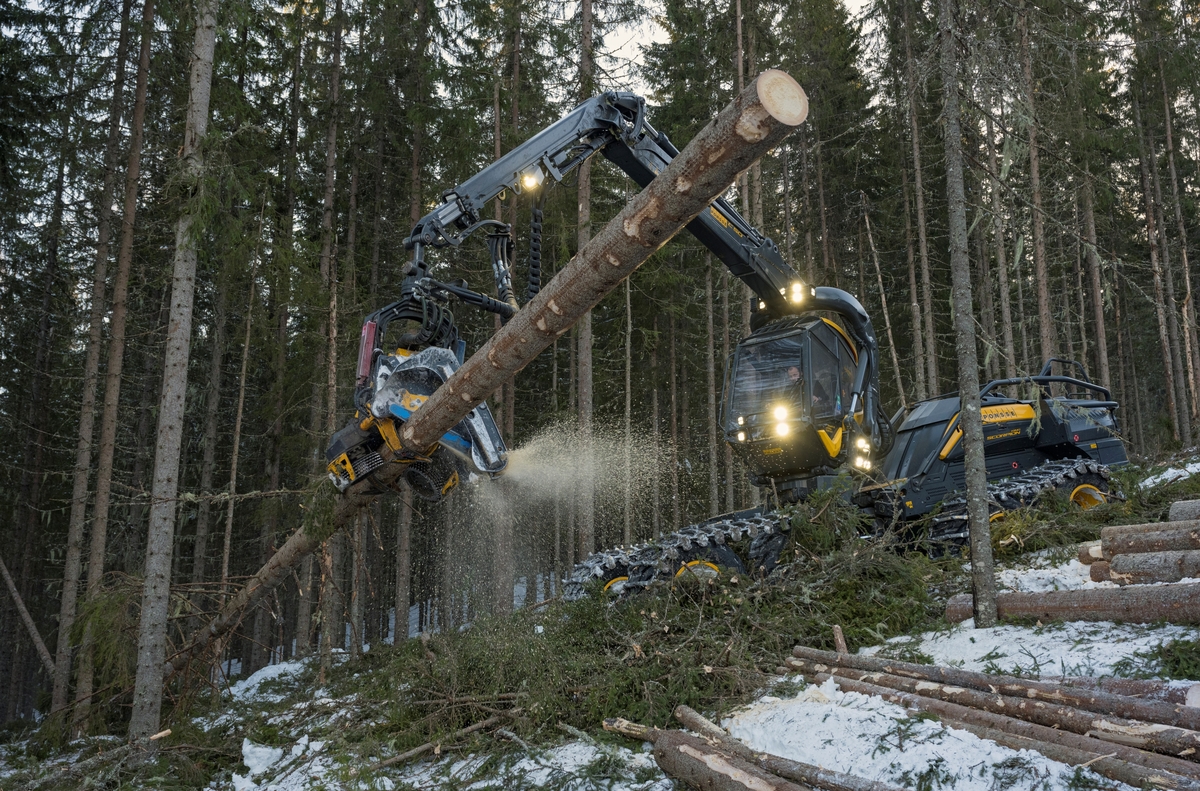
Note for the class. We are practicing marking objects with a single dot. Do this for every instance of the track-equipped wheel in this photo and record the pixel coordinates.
(1086, 491)
(709, 562)
(766, 549)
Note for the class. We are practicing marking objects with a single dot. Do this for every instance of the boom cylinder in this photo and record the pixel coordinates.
(750, 126)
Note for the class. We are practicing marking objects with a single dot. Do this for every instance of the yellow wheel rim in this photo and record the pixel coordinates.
(1087, 496)
(614, 581)
(704, 567)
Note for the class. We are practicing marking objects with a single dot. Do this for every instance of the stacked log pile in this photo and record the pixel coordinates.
(1143, 741)
(1133, 556)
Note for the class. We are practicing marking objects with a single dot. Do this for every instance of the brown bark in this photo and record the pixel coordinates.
(1093, 266)
(710, 372)
(73, 560)
(1166, 771)
(97, 548)
(1146, 689)
(627, 533)
(1173, 603)
(586, 539)
(1174, 539)
(152, 628)
(1089, 552)
(887, 319)
(673, 378)
(237, 434)
(403, 565)
(1099, 571)
(931, 358)
(1094, 700)
(656, 432)
(1151, 737)
(212, 407)
(789, 770)
(700, 765)
(1178, 361)
(27, 619)
(1148, 567)
(914, 304)
(1049, 340)
(982, 575)
(1114, 532)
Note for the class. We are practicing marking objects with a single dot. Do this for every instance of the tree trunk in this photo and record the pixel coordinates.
(1041, 274)
(1149, 567)
(982, 576)
(887, 319)
(1093, 264)
(1173, 536)
(931, 357)
(1178, 361)
(729, 487)
(656, 433)
(152, 629)
(1160, 308)
(710, 371)
(211, 415)
(999, 242)
(918, 332)
(403, 565)
(19, 603)
(1173, 603)
(97, 549)
(673, 378)
(587, 517)
(87, 403)
(698, 764)
(627, 534)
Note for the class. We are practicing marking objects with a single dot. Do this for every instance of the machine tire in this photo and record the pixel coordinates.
(1087, 491)
(711, 560)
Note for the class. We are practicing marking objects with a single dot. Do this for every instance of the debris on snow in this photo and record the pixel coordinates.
(1171, 474)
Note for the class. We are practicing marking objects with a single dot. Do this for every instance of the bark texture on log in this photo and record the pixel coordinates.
(1146, 736)
(1173, 603)
(1089, 699)
(1184, 510)
(1090, 552)
(750, 126)
(1168, 772)
(1173, 539)
(754, 123)
(1099, 571)
(1113, 531)
(783, 767)
(701, 765)
(1155, 566)
(1187, 694)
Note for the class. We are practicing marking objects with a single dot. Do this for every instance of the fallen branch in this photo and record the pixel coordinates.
(783, 767)
(1089, 698)
(698, 763)
(427, 746)
(1140, 768)
(1141, 604)
(1146, 736)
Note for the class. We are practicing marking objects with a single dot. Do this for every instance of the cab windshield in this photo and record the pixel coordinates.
(768, 375)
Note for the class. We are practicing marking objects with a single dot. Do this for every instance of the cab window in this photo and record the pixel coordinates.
(826, 392)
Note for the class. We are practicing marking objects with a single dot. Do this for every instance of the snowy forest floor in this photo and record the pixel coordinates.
(713, 645)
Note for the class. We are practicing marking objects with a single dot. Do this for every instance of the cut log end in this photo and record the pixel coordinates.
(1099, 571)
(782, 97)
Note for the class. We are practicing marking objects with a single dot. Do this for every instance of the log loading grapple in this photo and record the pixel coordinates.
(801, 397)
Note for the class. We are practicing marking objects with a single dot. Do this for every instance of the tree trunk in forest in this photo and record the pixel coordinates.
(1189, 316)
(982, 576)
(931, 357)
(97, 549)
(1091, 255)
(826, 258)
(211, 414)
(627, 532)
(357, 584)
(1160, 309)
(87, 403)
(918, 331)
(1178, 361)
(987, 308)
(999, 241)
(808, 222)
(587, 518)
(729, 487)
(887, 319)
(656, 433)
(152, 628)
(1049, 341)
(19, 603)
(403, 565)
(710, 371)
(673, 378)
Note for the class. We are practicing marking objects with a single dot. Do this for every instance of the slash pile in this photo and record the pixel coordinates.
(1142, 742)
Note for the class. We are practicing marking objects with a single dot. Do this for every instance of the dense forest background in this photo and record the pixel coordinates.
(328, 128)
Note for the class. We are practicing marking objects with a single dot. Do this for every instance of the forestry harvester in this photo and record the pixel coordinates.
(801, 397)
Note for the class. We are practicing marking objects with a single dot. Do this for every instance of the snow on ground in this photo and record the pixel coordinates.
(248, 688)
(1171, 474)
(868, 737)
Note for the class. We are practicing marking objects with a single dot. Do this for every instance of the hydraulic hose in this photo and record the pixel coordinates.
(535, 248)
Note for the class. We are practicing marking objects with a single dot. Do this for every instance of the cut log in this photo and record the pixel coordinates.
(1151, 737)
(1173, 539)
(1155, 567)
(751, 125)
(1164, 771)
(1112, 531)
(699, 763)
(783, 767)
(1099, 571)
(1104, 765)
(1092, 699)
(757, 120)
(1184, 509)
(1145, 689)
(1138, 604)
(1090, 552)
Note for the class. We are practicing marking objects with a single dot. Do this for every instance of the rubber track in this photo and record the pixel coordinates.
(1007, 494)
(645, 563)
